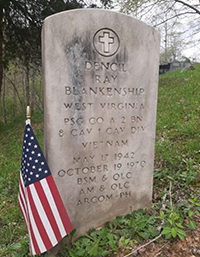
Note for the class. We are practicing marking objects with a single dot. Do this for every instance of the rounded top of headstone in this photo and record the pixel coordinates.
(94, 15)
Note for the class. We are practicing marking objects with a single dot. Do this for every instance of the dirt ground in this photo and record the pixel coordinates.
(190, 247)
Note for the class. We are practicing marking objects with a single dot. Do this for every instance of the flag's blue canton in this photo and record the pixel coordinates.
(33, 165)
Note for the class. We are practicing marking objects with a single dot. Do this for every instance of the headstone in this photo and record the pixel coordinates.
(100, 74)
(179, 65)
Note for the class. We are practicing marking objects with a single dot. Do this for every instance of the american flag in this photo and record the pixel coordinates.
(44, 213)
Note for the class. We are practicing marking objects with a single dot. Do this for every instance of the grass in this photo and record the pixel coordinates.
(178, 124)
(12, 227)
(176, 175)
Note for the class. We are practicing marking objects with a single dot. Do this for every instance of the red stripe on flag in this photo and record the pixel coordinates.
(60, 206)
(22, 193)
(38, 221)
(22, 203)
(48, 210)
(34, 247)
(25, 218)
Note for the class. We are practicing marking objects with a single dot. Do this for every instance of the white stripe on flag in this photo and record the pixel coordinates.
(42, 213)
(23, 206)
(53, 206)
(35, 231)
(23, 211)
(22, 193)
(31, 241)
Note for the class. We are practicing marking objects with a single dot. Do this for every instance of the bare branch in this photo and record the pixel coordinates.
(15, 88)
(139, 248)
(172, 17)
(188, 5)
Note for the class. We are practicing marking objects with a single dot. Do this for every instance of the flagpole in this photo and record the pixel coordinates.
(28, 115)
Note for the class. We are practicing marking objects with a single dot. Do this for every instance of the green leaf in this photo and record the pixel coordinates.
(175, 216)
(72, 253)
(179, 225)
(131, 222)
(16, 246)
(181, 237)
(15, 254)
(174, 232)
(142, 234)
(105, 252)
(80, 252)
(166, 230)
(191, 201)
(73, 232)
(190, 213)
(191, 225)
(171, 178)
(168, 236)
(127, 241)
(181, 232)
(111, 241)
(94, 250)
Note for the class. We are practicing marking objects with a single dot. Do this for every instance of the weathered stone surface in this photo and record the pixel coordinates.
(100, 73)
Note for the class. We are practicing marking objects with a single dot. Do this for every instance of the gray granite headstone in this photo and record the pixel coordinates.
(100, 75)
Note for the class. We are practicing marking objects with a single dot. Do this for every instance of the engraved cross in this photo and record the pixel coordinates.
(106, 40)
